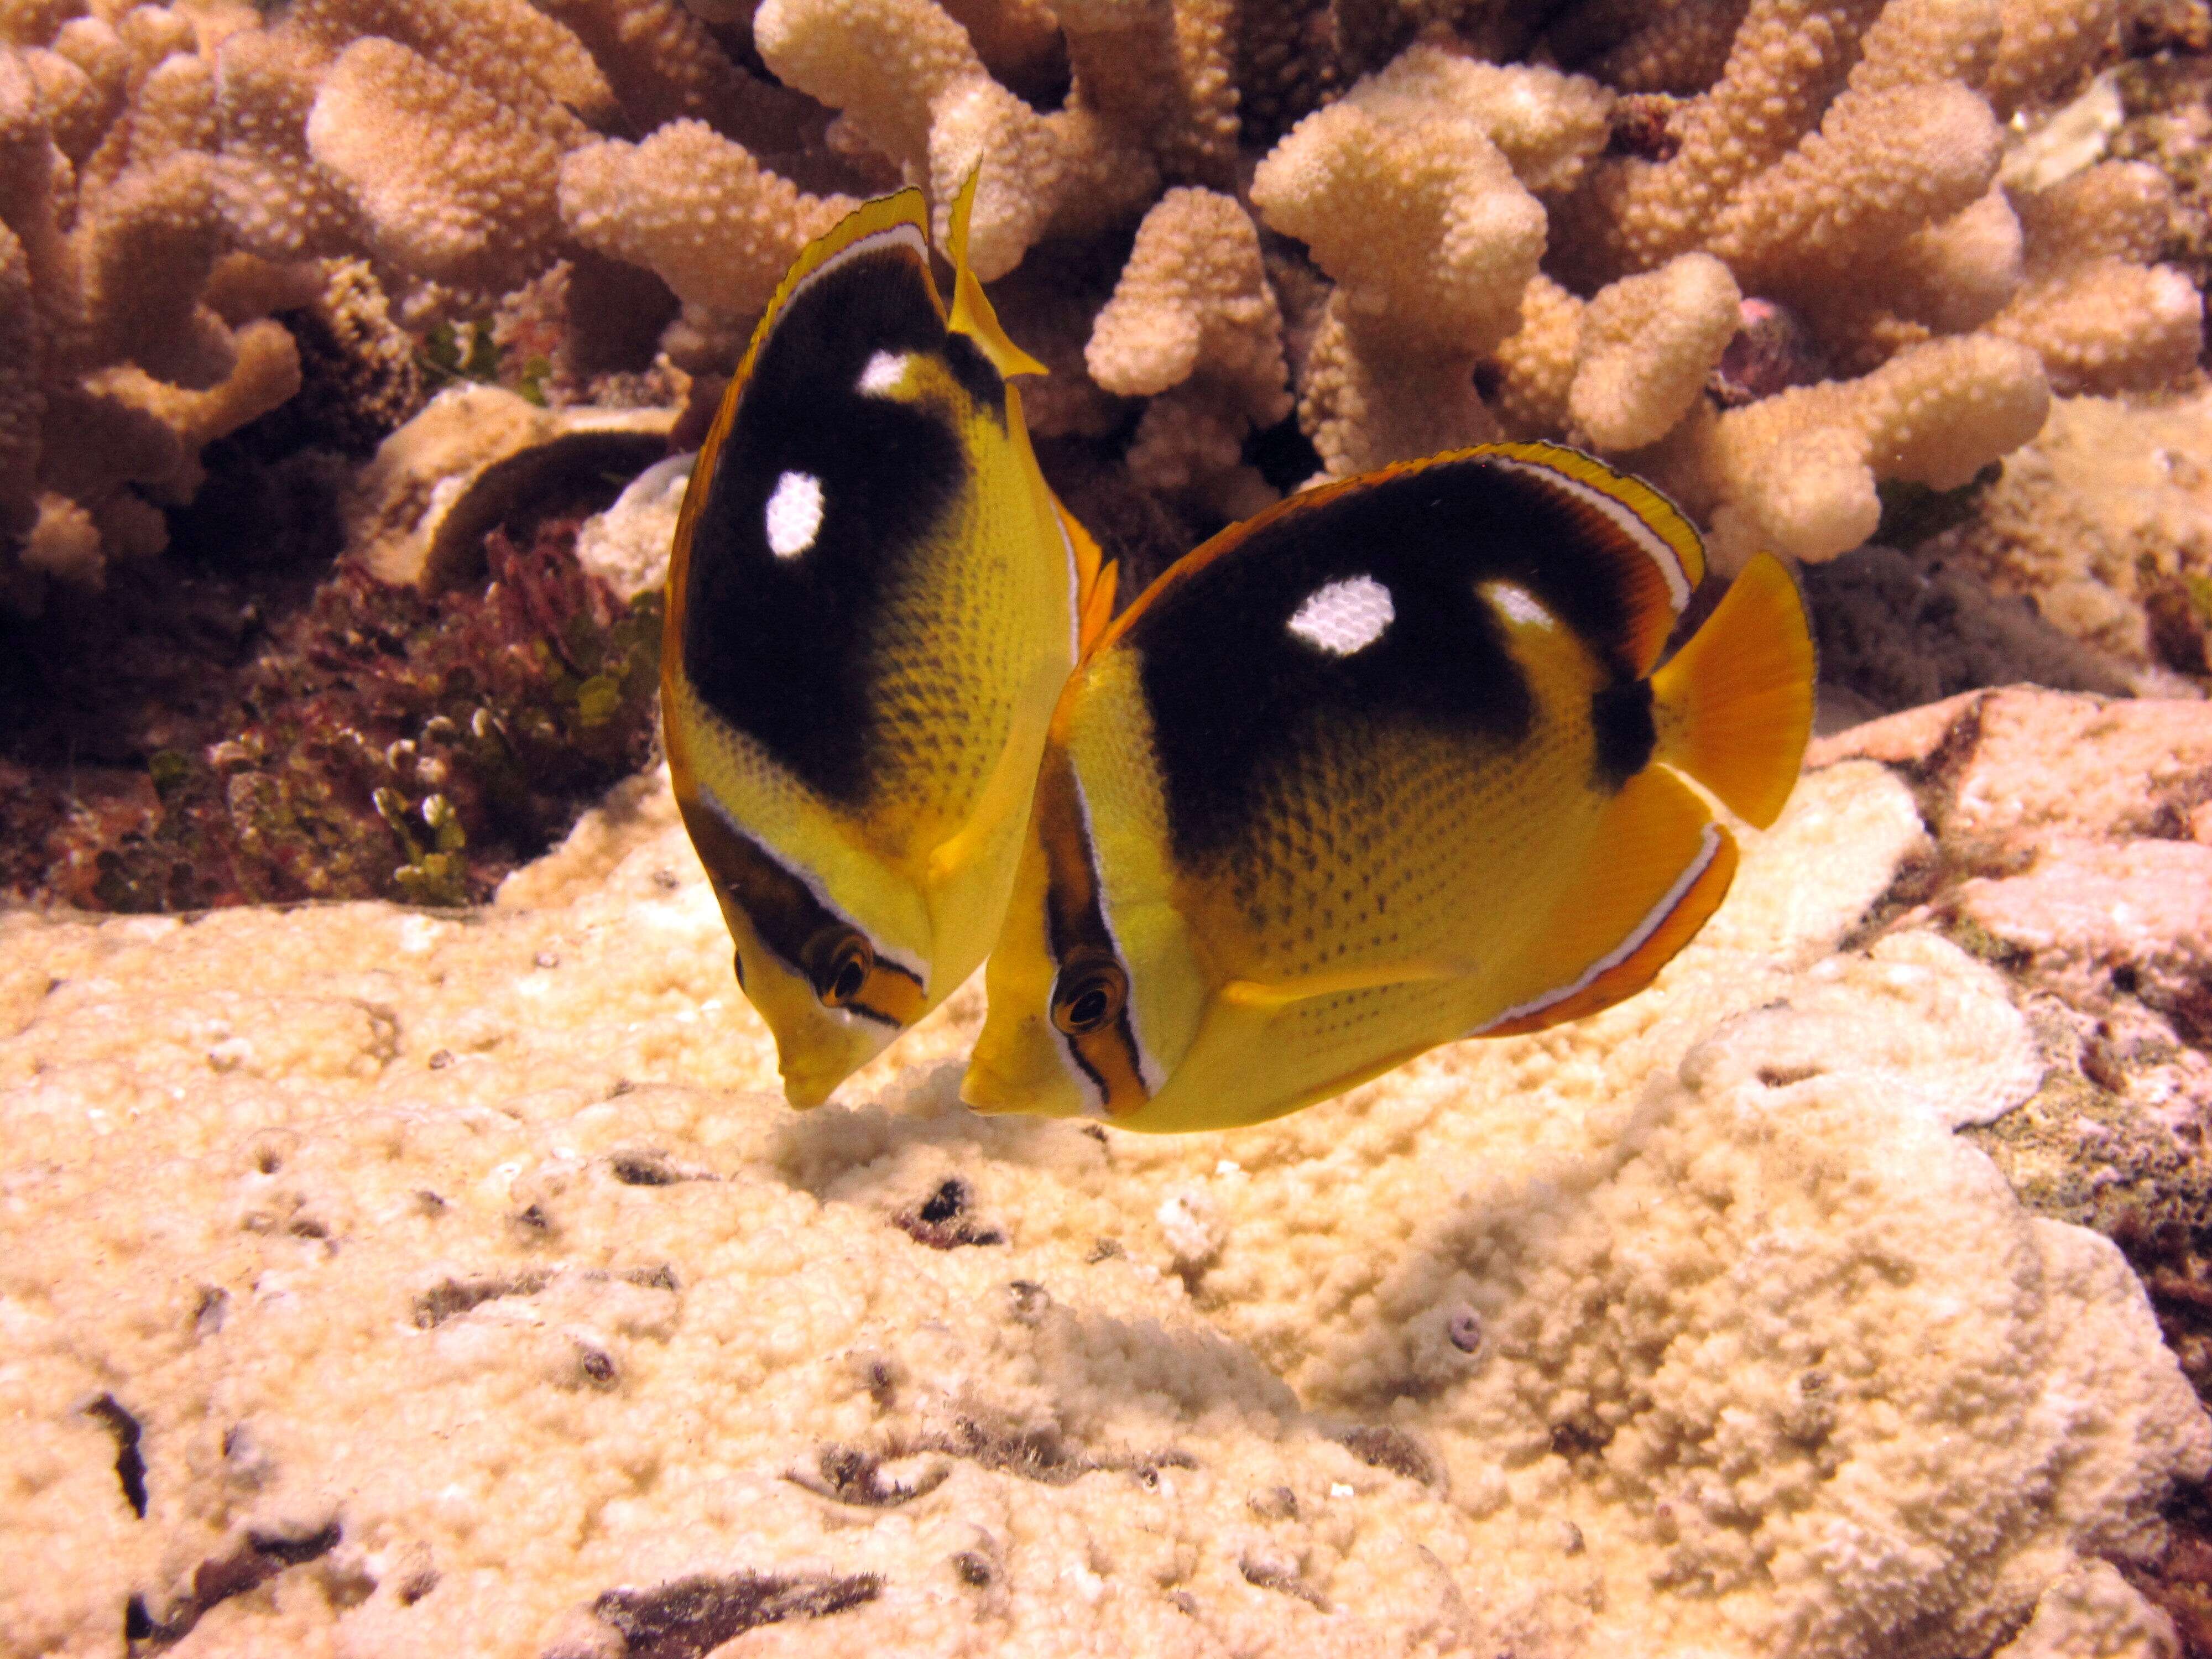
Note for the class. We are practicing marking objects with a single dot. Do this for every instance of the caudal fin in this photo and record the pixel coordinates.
(1735, 705)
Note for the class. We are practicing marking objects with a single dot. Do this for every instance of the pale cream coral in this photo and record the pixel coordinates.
(275, 200)
(910, 85)
(22, 403)
(131, 374)
(1365, 408)
(1194, 299)
(1405, 192)
(1404, 197)
(448, 183)
(509, 49)
(1795, 473)
(477, 1241)
(696, 209)
(2104, 318)
(662, 65)
(2046, 43)
(2093, 1612)
(1159, 72)
(1192, 317)
(1884, 164)
(1647, 344)
(2111, 501)
(1534, 366)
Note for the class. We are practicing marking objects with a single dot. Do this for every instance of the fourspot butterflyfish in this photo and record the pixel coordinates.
(874, 599)
(1387, 766)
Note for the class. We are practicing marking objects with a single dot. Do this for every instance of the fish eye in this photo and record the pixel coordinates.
(839, 961)
(1087, 995)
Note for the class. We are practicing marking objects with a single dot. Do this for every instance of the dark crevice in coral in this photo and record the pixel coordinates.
(129, 1463)
(1040, 1454)
(940, 1221)
(1281, 1581)
(2180, 1581)
(1283, 453)
(688, 1616)
(1381, 1447)
(453, 1297)
(260, 1559)
(850, 1475)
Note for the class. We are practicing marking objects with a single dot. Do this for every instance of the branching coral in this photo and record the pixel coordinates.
(1492, 245)
(1194, 326)
(118, 372)
(1835, 158)
(1415, 193)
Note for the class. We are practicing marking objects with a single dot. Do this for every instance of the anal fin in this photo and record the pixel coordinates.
(1659, 868)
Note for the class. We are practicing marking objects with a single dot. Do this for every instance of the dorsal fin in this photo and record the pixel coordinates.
(971, 307)
(1634, 528)
(1097, 577)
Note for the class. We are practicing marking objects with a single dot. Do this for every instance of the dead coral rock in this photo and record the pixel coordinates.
(473, 457)
(1901, 631)
(2109, 506)
(2072, 851)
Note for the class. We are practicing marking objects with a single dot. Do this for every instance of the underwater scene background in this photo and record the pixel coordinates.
(406, 1248)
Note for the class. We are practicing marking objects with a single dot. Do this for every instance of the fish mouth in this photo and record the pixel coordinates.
(983, 1089)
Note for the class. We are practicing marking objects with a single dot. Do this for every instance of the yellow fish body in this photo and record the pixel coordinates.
(874, 599)
(1375, 771)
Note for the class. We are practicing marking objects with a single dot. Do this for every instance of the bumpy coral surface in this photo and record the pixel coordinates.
(382, 1281)
(1416, 225)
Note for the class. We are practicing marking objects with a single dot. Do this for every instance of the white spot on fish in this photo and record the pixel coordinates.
(1520, 606)
(794, 513)
(1343, 617)
(882, 376)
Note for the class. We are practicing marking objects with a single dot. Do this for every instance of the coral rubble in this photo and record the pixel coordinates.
(485, 1300)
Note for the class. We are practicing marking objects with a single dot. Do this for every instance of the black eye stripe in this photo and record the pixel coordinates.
(783, 910)
(1075, 925)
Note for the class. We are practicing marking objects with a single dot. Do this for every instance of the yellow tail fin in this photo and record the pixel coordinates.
(971, 307)
(1735, 706)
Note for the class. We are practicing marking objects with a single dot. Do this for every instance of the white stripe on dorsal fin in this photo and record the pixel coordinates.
(1650, 524)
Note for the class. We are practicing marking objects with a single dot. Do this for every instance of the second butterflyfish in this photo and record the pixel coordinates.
(1394, 763)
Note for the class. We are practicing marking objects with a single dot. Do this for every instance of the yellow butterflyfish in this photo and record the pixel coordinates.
(874, 599)
(1387, 766)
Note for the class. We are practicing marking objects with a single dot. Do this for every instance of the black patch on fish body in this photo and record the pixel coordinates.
(1234, 696)
(784, 649)
(977, 375)
(1626, 735)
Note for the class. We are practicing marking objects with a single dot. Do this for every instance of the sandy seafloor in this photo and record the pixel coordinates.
(456, 1283)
